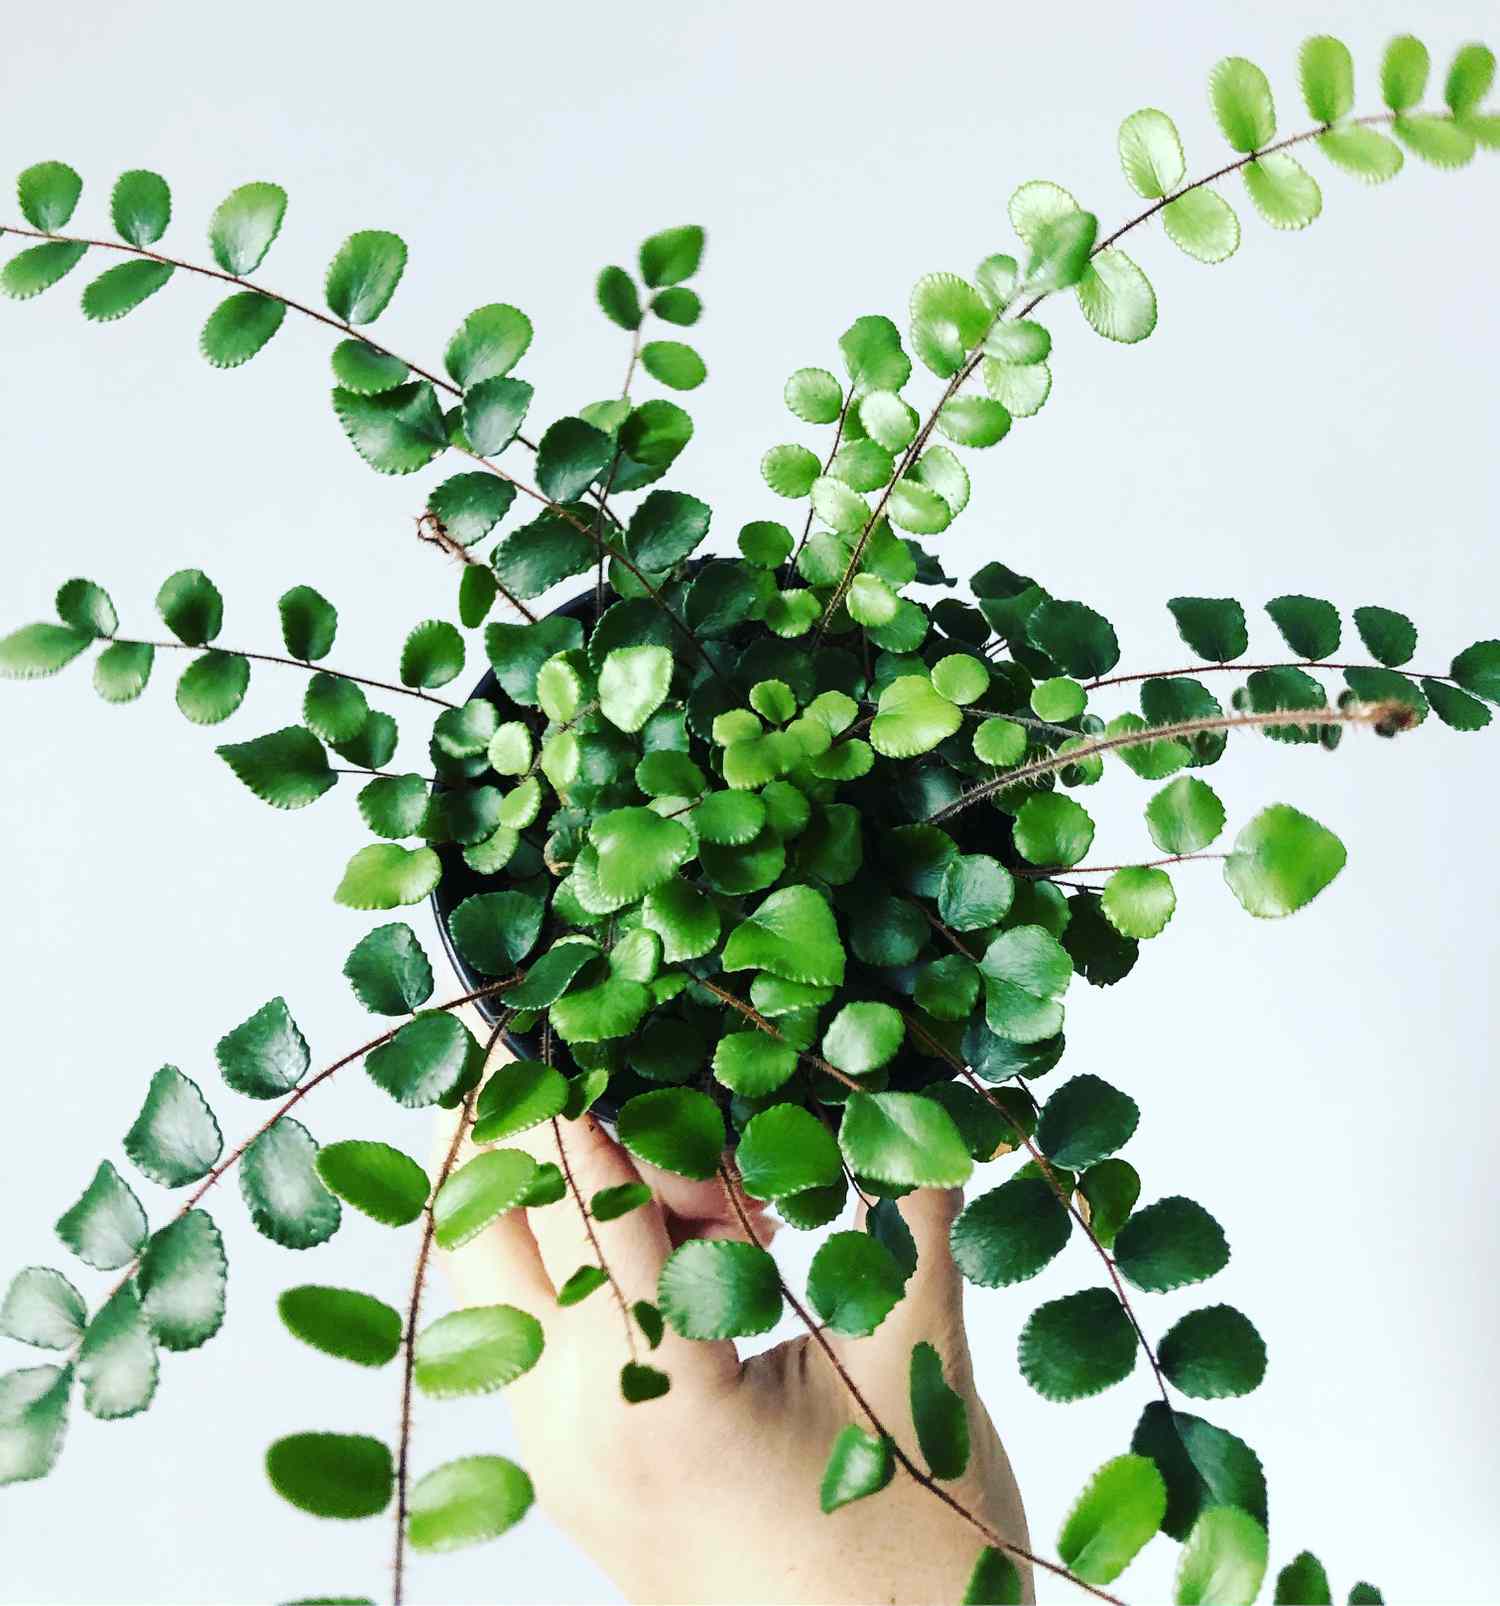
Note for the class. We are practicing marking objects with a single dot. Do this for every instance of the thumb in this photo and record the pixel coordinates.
(931, 1309)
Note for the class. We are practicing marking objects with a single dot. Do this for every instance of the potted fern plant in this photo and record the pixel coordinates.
(769, 845)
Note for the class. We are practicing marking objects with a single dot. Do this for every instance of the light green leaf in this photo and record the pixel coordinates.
(1117, 298)
(938, 1415)
(790, 470)
(487, 344)
(1076, 1346)
(918, 508)
(1403, 72)
(42, 1307)
(213, 686)
(999, 742)
(974, 421)
(1440, 141)
(1281, 861)
(671, 256)
(633, 684)
(107, 1226)
(33, 1419)
(385, 875)
(181, 1278)
(117, 1362)
(344, 1475)
(914, 718)
(479, 1191)
(39, 267)
(1052, 829)
(862, 1037)
(381, 1182)
(792, 934)
(1060, 252)
(466, 1502)
(753, 1064)
(244, 226)
(86, 606)
(871, 348)
(814, 395)
(364, 274)
(1364, 152)
(785, 1149)
(1285, 194)
(1151, 154)
(48, 193)
(175, 1139)
(123, 288)
(41, 649)
(286, 1198)
(1326, 70)
(839, 507)
(1119, 1510)
(475, 1351)
(342, 1322)
(1138, 901)
(518, 1096)
(396, 432)
(1185, 816)
(365, 369)
(1477, 670)
(719, 1288)
(1203, 224)
(122, 670)
(905, 1139)
(859, 1464)
(1026, 971)
(1223, 1561)
(1170, 1244)
(1469, 79)
(239, 327)
(673, 363)
(949, 318)
(1242, 103)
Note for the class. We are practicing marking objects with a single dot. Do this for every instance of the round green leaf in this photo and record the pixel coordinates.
(175, 1139)
(213, 686)
(308, 623)
(1326, 70)
(1285, 194)
(854, 1283)
(1403, 72)
(633, 684)
(1081, 642)
(785, 1149)
(481, 1189)
(814, 395)
(673, 363)
(975, 891)
(1170, 1244)
(793, 935)
(1000, 742)
(1138, 901)
(267, 1055)
(1053, 829)
(332, 1474)
(863, 1037)
(1281, 861)
(382, 1182)
(1084, 1120)
(1008, 1234)
(342, 1322)
(903, 1139)
(1214, 1353)
(1242, 103)
(384, 876)
(790, 470)
(1117, 298)
(389, 971)
(286, 1198)
(244, 225)
(466, 1502)
(518, 1096)
(676, 1128)
(1076, 1346)
(495, 931)
(475, 1351)
(719, 1288)
(48, 193)
(122, 670)
(42, 1307)
(364, 274)
(1151, 154)
(1202, 223)
(239, 327)
(913, 718)
(424, 1061)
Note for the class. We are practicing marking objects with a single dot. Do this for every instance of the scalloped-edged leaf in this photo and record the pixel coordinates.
(1281, 860)
(342, 1322)
(39, 267)
(1223, 1561)
(1303, 1582)
(239, 327)
(791, 934)
(1310, 626)
(814, 395)
(33, 1421)
(1021, 391)
(467, 1502)
(342, 1475)
(267, 1055)
(618, 298)
(1118, 1511)
(122, 670)
(719, 1288)
(517, 1097)
(671, 255)
(479, 1191)
(385, 875)
(82, 605)
(487, 344)
(309, 623)
(190, 604)
(378, 1180)
(1213, 1353)
(1185, 816)
(42, 1307)
(1403, 72)
(1202, 1466)
(175, 1139)
(117, 1361)
(785, 1149)
(424, 1061)
(48, 193)
(123, 288)
(213, 686)
(365, 369)
(1170, 1244)
(396, 432)
(107, 1226)
(1151, 153)
(494, 931)
(1285, 194)
(475, 1351)
(1203, 224)
(1439, 141)
(287, 768)
(676, 1128)
(1010, 1233)
(1213, 627)
(1078, 1345)
(1326, 71)
(364, 274)
(38, 650)
(790, 470)
(140, 206)
(1457, 710)
(245, 225)
(949, 318)
(182, 1279)
(1242, 103)
(673, 363)
(285, 1196)
(1060, 252)
(1117, 298)
(904, 1139)
(1364, 152)
(1085, 1120)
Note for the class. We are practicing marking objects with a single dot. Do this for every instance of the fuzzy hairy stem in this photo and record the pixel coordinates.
(303, 663)
(1395, 714)
(903, 1460)
(1247, 669)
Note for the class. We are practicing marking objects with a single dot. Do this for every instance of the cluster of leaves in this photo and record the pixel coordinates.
(779, 853)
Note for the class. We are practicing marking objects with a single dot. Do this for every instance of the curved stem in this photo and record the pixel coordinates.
(303, 663)
(1397, 714)
(1248, 669)
(903, 1460)
(973, 360)
(1107, 869)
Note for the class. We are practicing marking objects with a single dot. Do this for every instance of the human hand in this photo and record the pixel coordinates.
(710, 1493)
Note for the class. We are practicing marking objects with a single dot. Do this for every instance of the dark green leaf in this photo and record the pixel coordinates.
(1214, 627)
(609, 1204)
(938, 1414)
(396, 432)
(33, 1419)
(994, 1580)
(495, 931)
(424, 1061)
(1302, 1582)
(677, 306)
(1077, 1346)
(175, 1139)
(364, 274)
(123, 288)
(389, 971)
(239, 327)
(719, 1288)
(287, 768)
(518, 1096)
(39, 267)
(213, 686)
(1084, 1120)
(1170, 1244)
(671, 256)
(265, 1057)
(666, 528)
(342, 1322)
(487, 344)
(1308, 625)
(1213, 1353)
(676, 1128)
(308, 623)
(42, 649)
(122, 670)
(48, 193)
(784, 1150)
(1010, 1233)
(854, 1282)
(107, 1226)
(479, 1191)
(535, 557)
(279, 1180)
(342, 1475)
(569, 455)
(1081, 642)
(1390, 637)
(190, 604)
(640, 1383)
(365, 369)
(583, 1282)
(1110, 1189)
(469, 506)
(380, 1181)
(618, 298)
(1477, 670)
(1456, 709)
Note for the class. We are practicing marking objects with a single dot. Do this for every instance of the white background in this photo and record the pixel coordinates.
(1319, 415)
